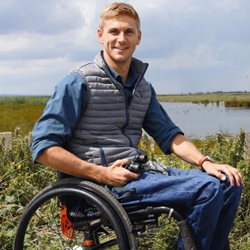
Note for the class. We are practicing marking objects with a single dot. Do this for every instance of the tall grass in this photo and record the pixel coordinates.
(227, 149)
(20, 180)
(230, 99)
(23, 111)
(24, 100)
(20, 112)
(241, 104)
(21, 116)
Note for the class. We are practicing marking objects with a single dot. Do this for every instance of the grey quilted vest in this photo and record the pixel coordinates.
(109, 130)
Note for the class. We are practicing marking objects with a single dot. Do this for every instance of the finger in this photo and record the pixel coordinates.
(229, 173)
(233, 175)
(237, 176)
(124, 161)
(133, 176)
(121, 162)
(221, 176)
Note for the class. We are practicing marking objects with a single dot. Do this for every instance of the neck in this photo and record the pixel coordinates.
(122, 68)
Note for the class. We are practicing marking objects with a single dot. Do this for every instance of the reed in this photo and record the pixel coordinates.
(15, 100)
(238, 104)
(21, 179)
(207, 98)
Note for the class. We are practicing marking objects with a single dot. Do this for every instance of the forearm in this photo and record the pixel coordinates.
(186, 150)
(64, 161)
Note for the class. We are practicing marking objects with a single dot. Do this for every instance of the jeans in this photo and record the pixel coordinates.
(209, 204)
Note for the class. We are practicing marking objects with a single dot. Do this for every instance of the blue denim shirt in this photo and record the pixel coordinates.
(66, 105)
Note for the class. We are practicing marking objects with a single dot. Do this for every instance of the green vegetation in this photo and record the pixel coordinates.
(237, 99)
(22, 112)
(41, 100)
(20, 180)
(19, 116)
(241, 104)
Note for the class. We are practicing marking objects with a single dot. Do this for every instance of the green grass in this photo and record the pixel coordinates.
(21, 179)
(236, 99)
(41, 100)
(22, 112)
(199, 97)
(19, 116)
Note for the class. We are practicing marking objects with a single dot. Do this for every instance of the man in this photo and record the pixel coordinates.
(93, 123)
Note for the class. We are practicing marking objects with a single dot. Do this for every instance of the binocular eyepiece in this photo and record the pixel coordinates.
(137, 164)
(140, 159)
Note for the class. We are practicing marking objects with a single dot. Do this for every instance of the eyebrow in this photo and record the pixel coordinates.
(117, 29)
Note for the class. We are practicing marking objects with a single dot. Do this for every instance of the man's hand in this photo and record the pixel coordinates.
(118, 176)
(219, 171)
(64, 161)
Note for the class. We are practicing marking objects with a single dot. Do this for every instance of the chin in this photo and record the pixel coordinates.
(123, 57)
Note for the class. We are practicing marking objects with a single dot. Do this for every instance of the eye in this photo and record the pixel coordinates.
(114, 32)
(129, 31)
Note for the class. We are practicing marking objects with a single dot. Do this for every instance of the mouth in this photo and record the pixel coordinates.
(121, 48)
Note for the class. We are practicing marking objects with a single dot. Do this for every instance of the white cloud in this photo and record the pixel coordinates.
(185, 42)
(35, 16)
(190, 58)
(229, 5)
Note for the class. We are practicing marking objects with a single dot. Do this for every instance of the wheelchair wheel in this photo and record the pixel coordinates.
(97, 222)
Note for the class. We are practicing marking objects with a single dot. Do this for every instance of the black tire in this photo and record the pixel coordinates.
(40, 227)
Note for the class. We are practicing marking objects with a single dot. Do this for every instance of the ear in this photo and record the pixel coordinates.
(99, 35)
(139, 38)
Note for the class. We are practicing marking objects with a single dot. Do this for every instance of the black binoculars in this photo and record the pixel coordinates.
(137, 164)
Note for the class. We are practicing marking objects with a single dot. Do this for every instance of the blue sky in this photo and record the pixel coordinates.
(190, 45)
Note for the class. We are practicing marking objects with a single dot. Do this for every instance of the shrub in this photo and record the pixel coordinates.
(21, 179)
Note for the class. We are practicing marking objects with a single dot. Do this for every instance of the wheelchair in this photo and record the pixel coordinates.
(76, 214)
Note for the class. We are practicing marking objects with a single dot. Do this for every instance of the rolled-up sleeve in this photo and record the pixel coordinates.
(60, 115)
(159, 125)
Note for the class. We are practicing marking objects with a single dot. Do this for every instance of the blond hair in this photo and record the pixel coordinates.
(117, 9)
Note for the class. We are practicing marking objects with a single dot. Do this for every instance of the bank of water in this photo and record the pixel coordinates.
(199, 120)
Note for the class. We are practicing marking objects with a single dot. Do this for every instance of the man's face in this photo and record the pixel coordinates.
(119, 37)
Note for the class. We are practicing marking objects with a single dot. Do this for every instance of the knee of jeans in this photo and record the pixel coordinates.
(211, 190)
(235, 190)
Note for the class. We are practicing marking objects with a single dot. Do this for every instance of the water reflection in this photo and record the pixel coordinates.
(200, 120)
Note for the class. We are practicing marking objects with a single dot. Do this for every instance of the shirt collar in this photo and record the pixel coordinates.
(115, 74)
(132, 75)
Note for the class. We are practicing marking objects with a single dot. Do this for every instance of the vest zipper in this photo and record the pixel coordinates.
(140, 78)
(128, 106)
(126, 103)
(125, 125)
(103, 157)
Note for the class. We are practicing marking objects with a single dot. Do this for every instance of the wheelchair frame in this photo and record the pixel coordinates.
(126, 221)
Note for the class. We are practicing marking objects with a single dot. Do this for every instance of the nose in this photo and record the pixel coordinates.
(121, 37)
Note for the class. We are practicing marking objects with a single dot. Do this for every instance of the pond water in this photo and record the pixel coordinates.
(199, 120)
